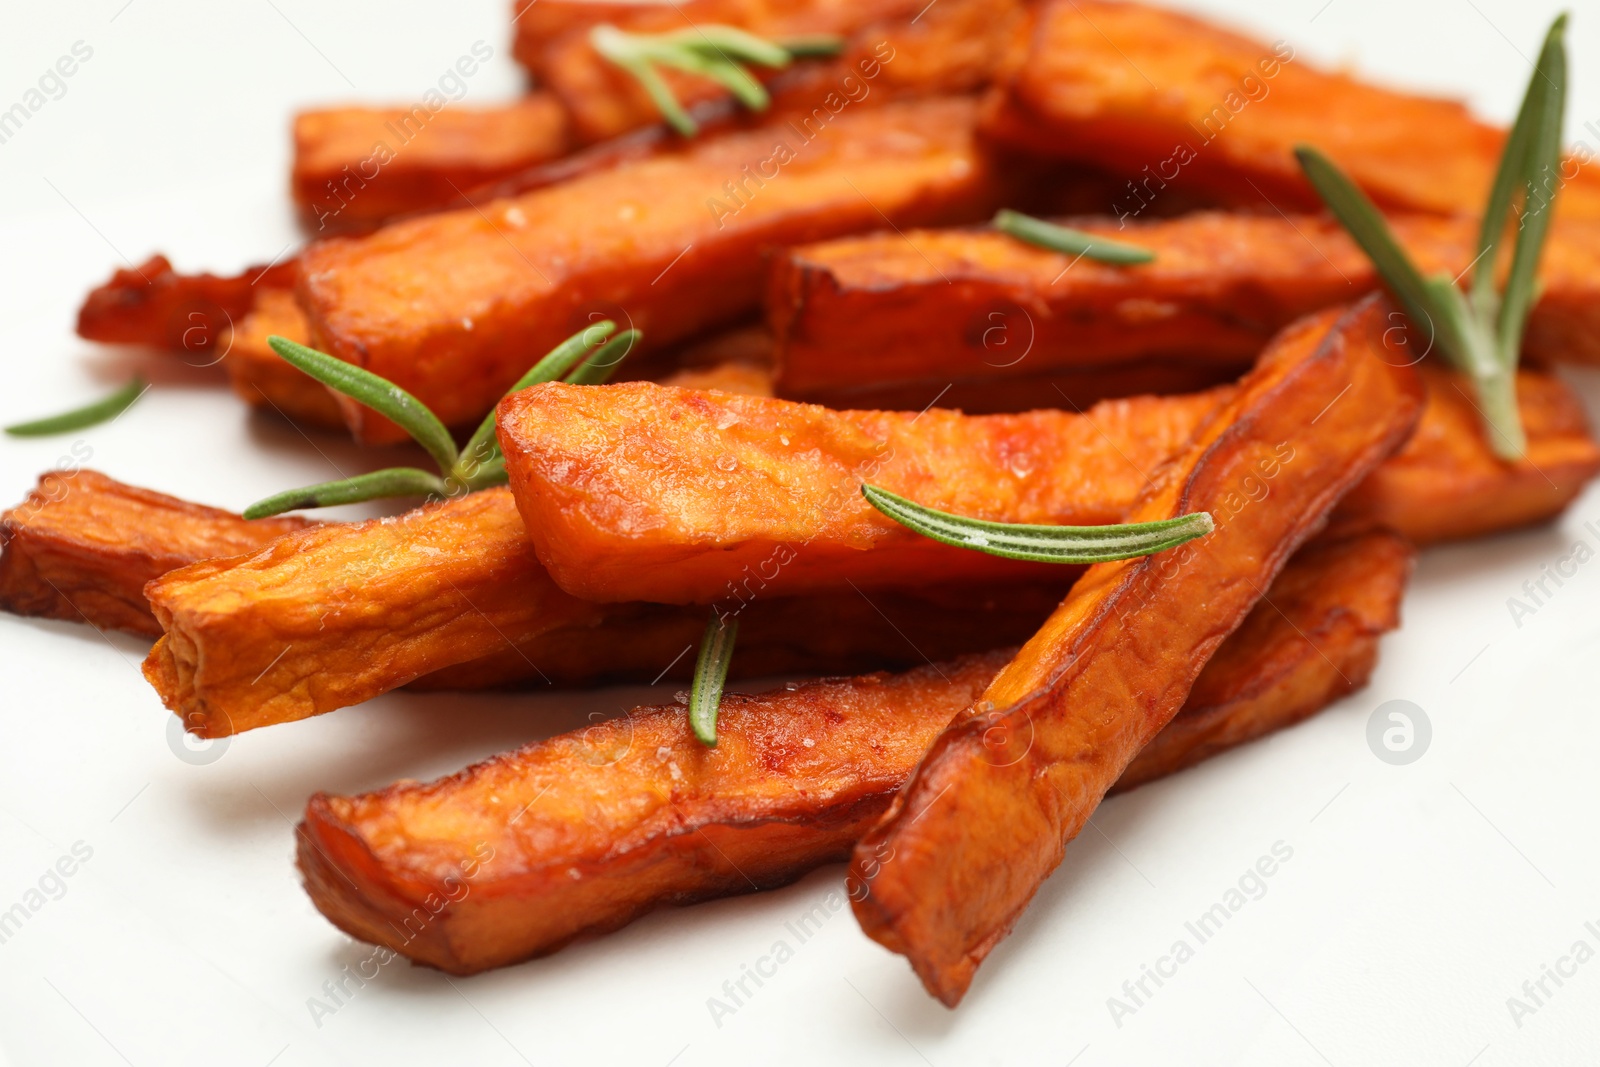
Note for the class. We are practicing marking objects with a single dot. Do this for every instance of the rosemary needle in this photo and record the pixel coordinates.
(710, 672)
(713, 51)
(1041, 544)
(1066, 240)
(84, 417)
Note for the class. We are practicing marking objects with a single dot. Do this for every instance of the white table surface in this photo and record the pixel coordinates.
(1417, 900)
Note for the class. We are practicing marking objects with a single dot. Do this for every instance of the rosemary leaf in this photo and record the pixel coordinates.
(1041, 544)
(1361, 218)
(379, 394)
(812, 46)
(726, 73)
(1071, 242)
(84, 417)
(1541, 117)
(729, 42)
(619, 48)
(598, 368)
(713, 51)
(1508, 179)
(394, 481)
(710, 672)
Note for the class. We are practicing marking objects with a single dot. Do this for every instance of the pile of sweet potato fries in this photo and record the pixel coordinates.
(821, 305)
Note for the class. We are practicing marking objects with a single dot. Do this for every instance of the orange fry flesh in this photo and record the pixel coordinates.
(1002, 790)
(584, 832)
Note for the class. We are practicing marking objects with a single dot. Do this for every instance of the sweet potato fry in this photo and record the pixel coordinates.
(1182, 104)
(642, 492)
(356, 168)
(336, 614)
(82, 546)
(333, 616)
(584, 832)
(941, 305)
(152, 304)
(990, 809)
(1446, 484)
(262, 379)
(449, 306)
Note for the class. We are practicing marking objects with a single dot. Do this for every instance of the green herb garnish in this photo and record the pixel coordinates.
(714, 51)
(84, 417)
(1478, 331)
(479, 465)
(1072, 242)
(1041, 544)
(710, 672)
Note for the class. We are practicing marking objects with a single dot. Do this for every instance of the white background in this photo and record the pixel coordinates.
(1418, 898)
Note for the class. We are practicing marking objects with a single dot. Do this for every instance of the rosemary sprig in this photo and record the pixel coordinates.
(713, 51)
(1041, 544)
(1071, 242)
(710, 672)
(479, 465)
(1478, 331)
(84, 417)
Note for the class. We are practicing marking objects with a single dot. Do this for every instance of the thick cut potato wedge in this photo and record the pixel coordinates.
(644, 492)
(584, 832)
(452, 595)
(450, 306)
(641, 492)
(356, 168)
(152, 304)
(1183, 105)
(991, 807)
(932, 306)
(82, 546)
